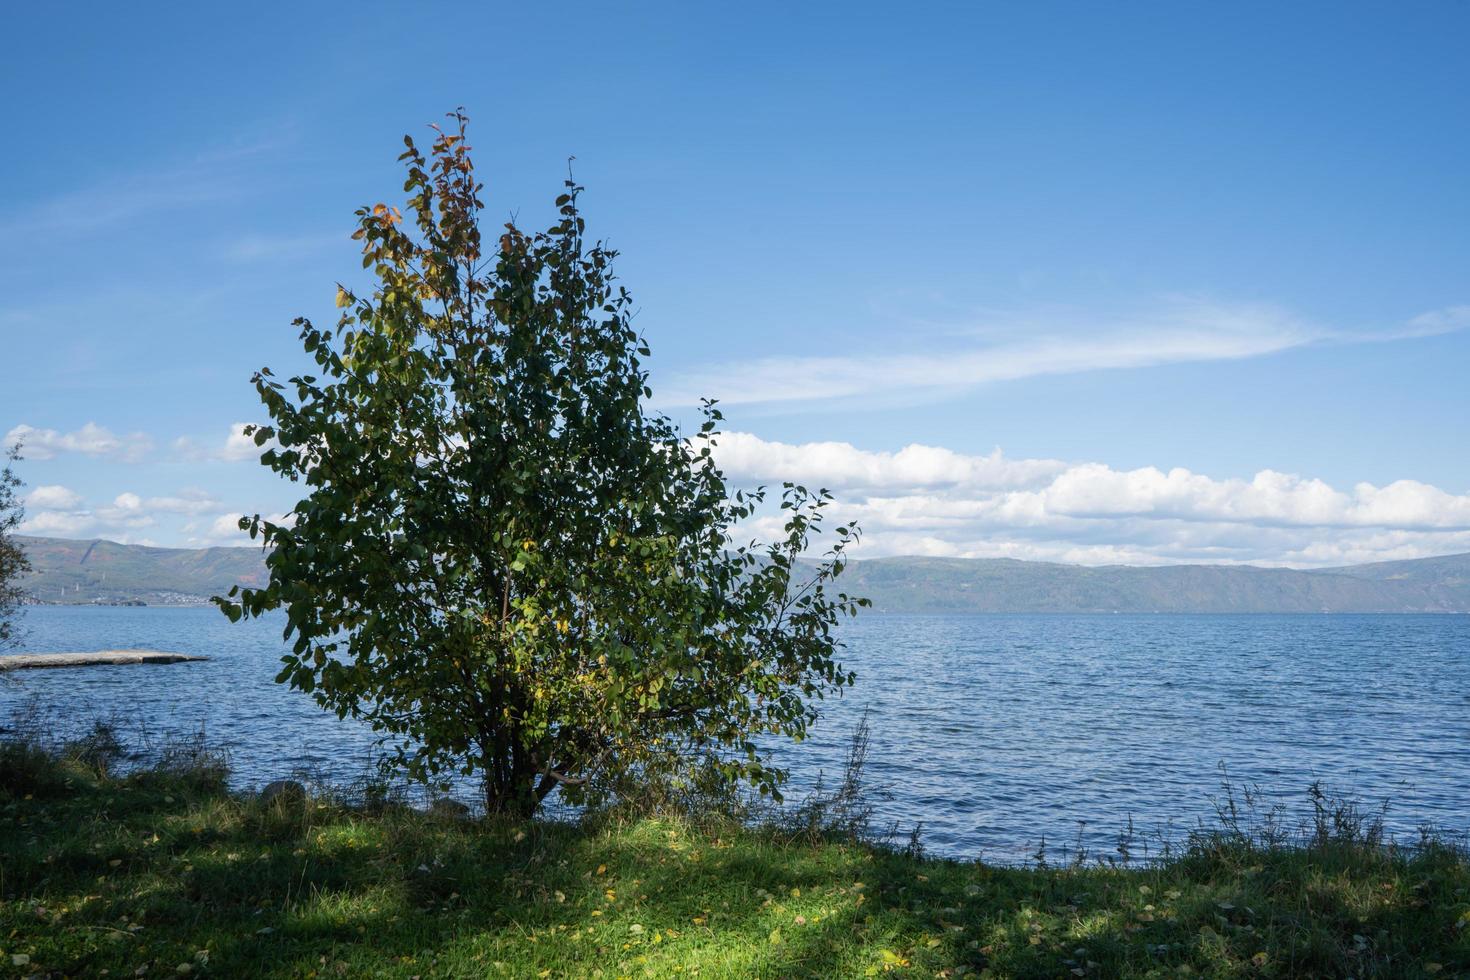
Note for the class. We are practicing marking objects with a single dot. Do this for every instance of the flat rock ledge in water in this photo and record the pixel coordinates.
(98, 658)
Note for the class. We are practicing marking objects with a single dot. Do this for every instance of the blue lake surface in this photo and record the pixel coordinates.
(994, 731)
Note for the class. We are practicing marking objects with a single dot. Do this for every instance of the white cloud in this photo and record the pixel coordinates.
(1095, 490)
(930, 501)
(113, 523)
(186, 502)
(55, 522)
(60, 511)
(90, 440)
(227, 526)
(841, 463)
(224, 531)
(53, 496)
(1010, 348)
(236, 447)
(240, 446)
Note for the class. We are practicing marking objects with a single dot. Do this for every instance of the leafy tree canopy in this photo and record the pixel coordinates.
(13, 561)
(501, 560)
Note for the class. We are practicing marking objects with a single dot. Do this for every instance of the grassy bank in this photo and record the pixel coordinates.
(164, 872)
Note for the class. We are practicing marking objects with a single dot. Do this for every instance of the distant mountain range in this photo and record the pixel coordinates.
(955, 585)
(86, 572)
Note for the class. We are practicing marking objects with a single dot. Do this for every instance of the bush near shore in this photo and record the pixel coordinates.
(164, 872)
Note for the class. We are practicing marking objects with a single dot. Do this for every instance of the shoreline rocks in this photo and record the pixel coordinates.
(448, 809)
(284, 790)
(97, 658)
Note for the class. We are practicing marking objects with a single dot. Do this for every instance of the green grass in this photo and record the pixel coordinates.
(104, 876)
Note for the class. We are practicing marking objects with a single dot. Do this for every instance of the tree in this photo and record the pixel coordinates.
(502, 561)
(13, 561)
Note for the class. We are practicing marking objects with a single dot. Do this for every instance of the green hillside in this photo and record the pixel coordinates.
(102, 571)
(1445, 579)
(66, 571)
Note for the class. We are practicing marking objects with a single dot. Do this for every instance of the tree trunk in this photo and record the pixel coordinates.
(515, 799)
(510, 789)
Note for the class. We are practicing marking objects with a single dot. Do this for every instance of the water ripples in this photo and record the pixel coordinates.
(993, 731)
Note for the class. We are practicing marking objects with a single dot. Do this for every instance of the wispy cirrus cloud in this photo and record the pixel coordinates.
(182, 182)
(281, 247)
(1021, 346)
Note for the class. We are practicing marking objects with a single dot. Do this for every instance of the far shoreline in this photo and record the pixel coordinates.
(936, 613)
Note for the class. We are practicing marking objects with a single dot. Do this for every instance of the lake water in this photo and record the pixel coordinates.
(993, 730)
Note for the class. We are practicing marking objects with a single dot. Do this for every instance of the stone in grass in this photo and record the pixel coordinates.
(449, 809)
(284, 790)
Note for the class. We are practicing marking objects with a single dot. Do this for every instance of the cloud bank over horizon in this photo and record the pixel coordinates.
(917, 500)
(927, 500)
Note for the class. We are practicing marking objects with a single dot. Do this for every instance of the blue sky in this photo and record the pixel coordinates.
(1197, 271)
